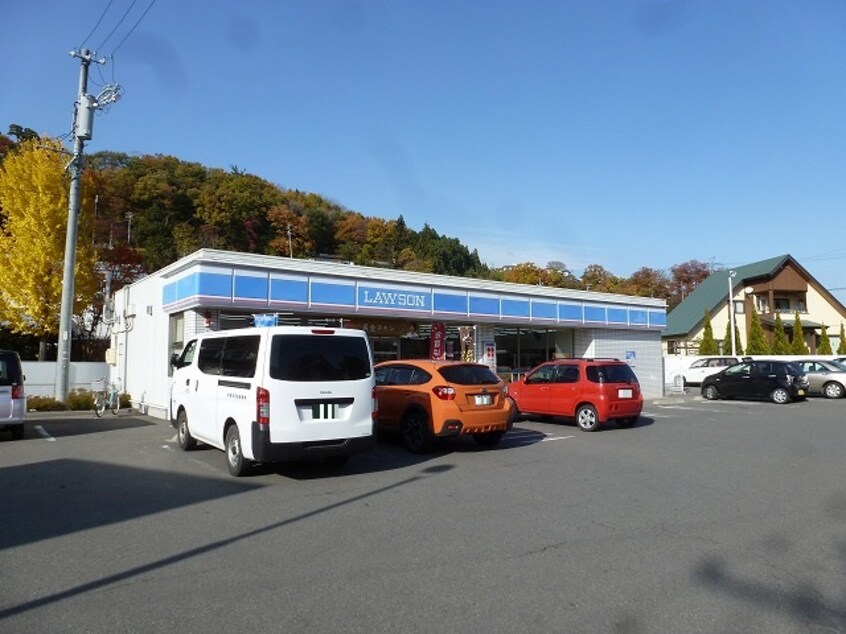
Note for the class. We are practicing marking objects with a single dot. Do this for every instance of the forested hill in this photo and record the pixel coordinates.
(178, 207)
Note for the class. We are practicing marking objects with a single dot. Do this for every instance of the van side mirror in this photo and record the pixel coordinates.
(174, 360)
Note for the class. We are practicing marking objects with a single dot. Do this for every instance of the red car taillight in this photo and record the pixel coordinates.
(262, 406)
(444, 392)
(17, 391)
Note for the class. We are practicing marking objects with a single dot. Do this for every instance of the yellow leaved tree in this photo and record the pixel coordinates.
(33, 226)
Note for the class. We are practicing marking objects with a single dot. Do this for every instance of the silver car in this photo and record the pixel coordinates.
(825, 377)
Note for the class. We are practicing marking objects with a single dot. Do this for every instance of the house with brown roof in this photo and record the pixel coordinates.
(777, 286)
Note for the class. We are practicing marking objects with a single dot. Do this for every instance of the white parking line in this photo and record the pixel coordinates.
(548, 438)
(44, 433)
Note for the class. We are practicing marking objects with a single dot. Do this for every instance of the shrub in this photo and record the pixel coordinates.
(80, 400)
(44, 404)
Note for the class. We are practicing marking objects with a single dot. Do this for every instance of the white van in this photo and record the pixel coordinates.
(12, 396)
(275, 394)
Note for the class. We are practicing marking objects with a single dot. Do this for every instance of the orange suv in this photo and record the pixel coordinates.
(593, 391)
(425, 399)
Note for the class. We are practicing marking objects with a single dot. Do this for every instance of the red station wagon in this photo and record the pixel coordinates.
(593, 391)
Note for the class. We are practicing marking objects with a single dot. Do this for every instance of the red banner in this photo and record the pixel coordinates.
(436, 341)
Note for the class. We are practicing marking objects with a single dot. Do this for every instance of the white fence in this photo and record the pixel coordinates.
(41, 376)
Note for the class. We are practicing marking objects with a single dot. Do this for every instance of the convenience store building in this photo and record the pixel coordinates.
(510, 327)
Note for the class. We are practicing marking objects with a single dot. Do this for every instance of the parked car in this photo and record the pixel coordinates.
(779, 381)
(706, 366)
(593, 391)
(12, 394)
(425, 399)
(825, 377)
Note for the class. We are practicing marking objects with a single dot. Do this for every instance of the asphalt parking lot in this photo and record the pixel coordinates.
(724, 516)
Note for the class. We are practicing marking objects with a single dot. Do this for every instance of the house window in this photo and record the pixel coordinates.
(782, 305)
(761, 304)
(739, 307)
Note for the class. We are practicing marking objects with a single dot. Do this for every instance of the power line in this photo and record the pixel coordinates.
(150, 6)
(103, 15)
(117, 26)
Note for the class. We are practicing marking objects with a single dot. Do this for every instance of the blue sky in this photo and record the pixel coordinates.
(626, 133)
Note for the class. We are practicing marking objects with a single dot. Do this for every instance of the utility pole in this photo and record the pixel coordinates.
(290, 249)
(731, 311)
(83, 122)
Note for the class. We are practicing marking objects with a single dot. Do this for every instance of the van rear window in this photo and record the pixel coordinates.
(319, 358)
(10, 368)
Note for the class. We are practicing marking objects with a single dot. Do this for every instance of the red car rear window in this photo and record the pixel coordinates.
(611, 373)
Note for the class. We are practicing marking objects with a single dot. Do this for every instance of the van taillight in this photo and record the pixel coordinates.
(374, 404)
(17, 391)
(444, 392)
(262, 406)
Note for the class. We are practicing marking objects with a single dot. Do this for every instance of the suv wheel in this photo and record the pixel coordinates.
(417, 433)
(586, 418)
(780, 396)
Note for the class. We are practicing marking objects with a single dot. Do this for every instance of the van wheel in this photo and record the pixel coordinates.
(586, 418)
(416, 433)
(184, 438)
(780, 396)
(17, 432)
(490, 439)
(627, 422)
(832, 390)
(235, 461)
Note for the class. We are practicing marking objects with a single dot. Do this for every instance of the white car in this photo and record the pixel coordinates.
(706, 366)
(12, 396)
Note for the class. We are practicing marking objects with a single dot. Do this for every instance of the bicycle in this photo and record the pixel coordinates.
(106, 396)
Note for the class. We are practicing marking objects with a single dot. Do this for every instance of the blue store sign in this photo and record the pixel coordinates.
(397, 299)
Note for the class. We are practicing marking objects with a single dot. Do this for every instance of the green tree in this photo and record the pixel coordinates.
(780, 344)
(738, 347)
(708, 345)
(841, 347)
(33, 225)
(797, 343)
(825, 342)
(756, 343)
